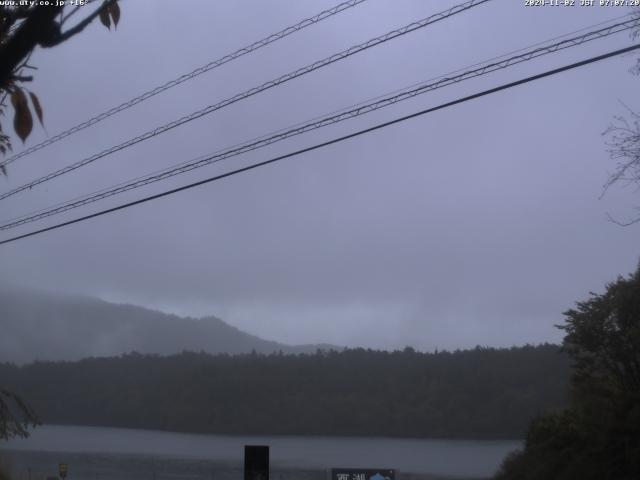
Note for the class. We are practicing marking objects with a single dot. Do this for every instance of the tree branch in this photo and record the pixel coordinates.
(38, 24)
(79, 27)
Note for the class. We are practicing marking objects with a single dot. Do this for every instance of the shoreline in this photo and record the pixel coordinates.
(136, 453)
(120, 466)
(479, 438)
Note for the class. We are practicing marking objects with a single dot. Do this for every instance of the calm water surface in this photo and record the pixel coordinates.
(142, 452)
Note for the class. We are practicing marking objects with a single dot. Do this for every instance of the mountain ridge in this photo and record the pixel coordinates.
(40, 325)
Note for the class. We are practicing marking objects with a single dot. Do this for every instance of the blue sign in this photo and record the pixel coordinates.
(363, 474)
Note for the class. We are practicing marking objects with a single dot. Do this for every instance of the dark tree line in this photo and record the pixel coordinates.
(482, 393)
(598, 436)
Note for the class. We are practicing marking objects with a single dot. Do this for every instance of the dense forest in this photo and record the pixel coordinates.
(598, 436)
(478, 393)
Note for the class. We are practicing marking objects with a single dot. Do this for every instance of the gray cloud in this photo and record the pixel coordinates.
(477, 224)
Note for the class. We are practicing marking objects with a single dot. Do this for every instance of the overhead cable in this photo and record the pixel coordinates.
(319, 123)
(329, 142)
(188, 76)
(253, 91)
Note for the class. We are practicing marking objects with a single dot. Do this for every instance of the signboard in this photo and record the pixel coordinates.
(62, 470)
(362, 474)
(256, 462)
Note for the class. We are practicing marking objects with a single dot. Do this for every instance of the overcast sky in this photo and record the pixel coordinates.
(478, 224)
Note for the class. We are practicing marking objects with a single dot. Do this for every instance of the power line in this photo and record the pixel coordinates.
(188, 76)
(253, 91)
(331, 142)
(323, 121)
(299, 129)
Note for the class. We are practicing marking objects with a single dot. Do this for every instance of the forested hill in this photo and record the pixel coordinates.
(475, 393)
(45, 326)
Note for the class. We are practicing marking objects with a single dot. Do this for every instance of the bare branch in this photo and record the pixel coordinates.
(16, 417)
(624, 146)
(623, 224)
(22, 78)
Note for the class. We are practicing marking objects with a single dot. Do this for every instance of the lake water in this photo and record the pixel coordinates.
(99, 453)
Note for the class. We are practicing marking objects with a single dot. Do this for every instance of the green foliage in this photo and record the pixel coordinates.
(598, 436)
(482, 393)
(603, 339)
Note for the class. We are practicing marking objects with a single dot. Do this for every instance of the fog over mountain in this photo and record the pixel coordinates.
(39, 325)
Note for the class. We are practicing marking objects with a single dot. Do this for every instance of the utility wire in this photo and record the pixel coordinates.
(253, 91)
(316, 124)
(379, 126)
(188, 76)
(362, 102)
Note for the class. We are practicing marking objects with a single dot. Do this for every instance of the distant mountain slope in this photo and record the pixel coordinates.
(45, 326)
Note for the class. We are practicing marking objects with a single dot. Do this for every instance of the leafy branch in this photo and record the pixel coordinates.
(22, 29)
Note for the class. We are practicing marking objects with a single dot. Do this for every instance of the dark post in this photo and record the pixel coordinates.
(256, 462)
